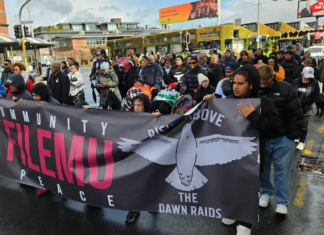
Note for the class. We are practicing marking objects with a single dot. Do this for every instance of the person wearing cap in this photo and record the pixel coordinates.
(153, 73)
(266, 52)
(108, 83)
(223, 90)
(132, 73)
(185, 53)
(274, 52)
(280, 149)
(281, 56)
(216, 71)
(308, 55)
(190, 81)
(295, 56)
(204, 88)
(307, 63)
(42, 93)
(228, 58)
(244, 60)
(59, 83)
(260, 58)
(290, 65)
(17, 86)
(308, 92)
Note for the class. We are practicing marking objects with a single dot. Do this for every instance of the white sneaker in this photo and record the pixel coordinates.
(282, 209)
(228, 221)
(296, 140)
(300, 146)
(264, 200)
(241, 230)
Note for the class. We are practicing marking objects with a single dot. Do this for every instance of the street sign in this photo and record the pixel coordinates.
(238, 21)
(27, 22)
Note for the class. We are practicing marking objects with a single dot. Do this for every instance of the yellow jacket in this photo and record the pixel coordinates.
(280, 76)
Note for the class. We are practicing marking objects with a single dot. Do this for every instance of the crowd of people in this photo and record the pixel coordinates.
(287, 82)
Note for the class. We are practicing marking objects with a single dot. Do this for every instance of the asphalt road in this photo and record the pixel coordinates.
(23, 212)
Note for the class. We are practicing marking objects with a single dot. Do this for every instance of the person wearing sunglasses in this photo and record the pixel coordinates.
(190, 82)
(6, 73)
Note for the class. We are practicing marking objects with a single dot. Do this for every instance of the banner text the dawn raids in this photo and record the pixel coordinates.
(192, 165)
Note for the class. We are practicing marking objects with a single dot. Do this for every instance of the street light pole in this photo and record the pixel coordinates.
(23, 34)
(258, 39)
(31, 25)
(218, 12)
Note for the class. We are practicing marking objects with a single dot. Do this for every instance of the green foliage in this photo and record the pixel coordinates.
(269, 44)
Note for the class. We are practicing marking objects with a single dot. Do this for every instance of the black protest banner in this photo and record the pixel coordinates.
(202, 164)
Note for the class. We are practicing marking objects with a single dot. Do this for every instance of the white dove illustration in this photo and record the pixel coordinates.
(188, 152)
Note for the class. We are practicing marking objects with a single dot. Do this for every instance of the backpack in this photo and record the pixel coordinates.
(184, 104)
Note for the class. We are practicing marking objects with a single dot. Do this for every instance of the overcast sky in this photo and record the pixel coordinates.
(146, 12)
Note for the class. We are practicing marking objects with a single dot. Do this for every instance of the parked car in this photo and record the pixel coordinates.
(316, 50)
(121, 59)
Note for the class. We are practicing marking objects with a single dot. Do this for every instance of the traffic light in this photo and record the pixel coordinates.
(27, 45)
(236, 33)
(26, 31)
(18, 33)
(187, 40)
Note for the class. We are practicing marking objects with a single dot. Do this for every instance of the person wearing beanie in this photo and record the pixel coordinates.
(16, 84)
(179, 70)
(204, 88)
(221, 90)
(246, 85)
(42, 93)
(107, 85)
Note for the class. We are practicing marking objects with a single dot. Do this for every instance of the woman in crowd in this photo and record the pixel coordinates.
(42, 93)
(122, 86)
(65, 69)
(244, 59)
(167, 76)
(18, 68)
(206, 60)
(76, 86)
(162, 62)
(277, 68)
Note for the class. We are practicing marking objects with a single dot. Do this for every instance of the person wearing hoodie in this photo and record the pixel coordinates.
(229, 70)
(122, 86)
(19, 68)
(76, 86)
(308, 92)
(280, 150)
(153, 73)
(107, 84)
(16, 84)
(298, 50)
(190, 81)
(216, 71)
(244, 60)
(179, 70)
(259, 57)
(246, 85)
(204, 88)
(132, 73)
(290, 65)
(228, 58)
(42, 93)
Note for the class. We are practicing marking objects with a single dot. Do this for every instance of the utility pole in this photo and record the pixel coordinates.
(23, 34)
(258, 37)
(31, 25)
(218, 12)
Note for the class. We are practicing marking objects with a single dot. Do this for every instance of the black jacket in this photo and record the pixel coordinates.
(94, 69)
(308, 94)
(297, 57)
(290, 67)
(167, 77)
(190, 82)
(215, 73)
(317, 74)
(284, 97)
(5, 75)
(262, 57)
(313, 61)
(66, 71)
(122, 86)
(60, 87)
(202, 92)
(131, 76)
(242, 63)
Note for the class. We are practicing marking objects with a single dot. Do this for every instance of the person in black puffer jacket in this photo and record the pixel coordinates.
(244, 60)
(216, 71)
(204, 88)
(280, 149)
(290, 65)
(190, 82)
(122, 86)
(259, 57)
(132, 74)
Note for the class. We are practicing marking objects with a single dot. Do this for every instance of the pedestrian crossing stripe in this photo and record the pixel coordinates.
(309, 147)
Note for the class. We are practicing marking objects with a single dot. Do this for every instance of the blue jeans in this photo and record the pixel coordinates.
(280, 151)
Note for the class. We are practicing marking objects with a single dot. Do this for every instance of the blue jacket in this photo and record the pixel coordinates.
(2, 91)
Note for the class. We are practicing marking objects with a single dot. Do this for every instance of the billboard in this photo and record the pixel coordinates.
(189, 11)
(310, 8)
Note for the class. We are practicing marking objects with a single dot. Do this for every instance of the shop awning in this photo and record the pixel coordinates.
(38, 43)
(7, 41)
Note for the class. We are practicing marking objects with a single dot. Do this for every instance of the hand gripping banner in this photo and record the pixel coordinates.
(201, 164)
